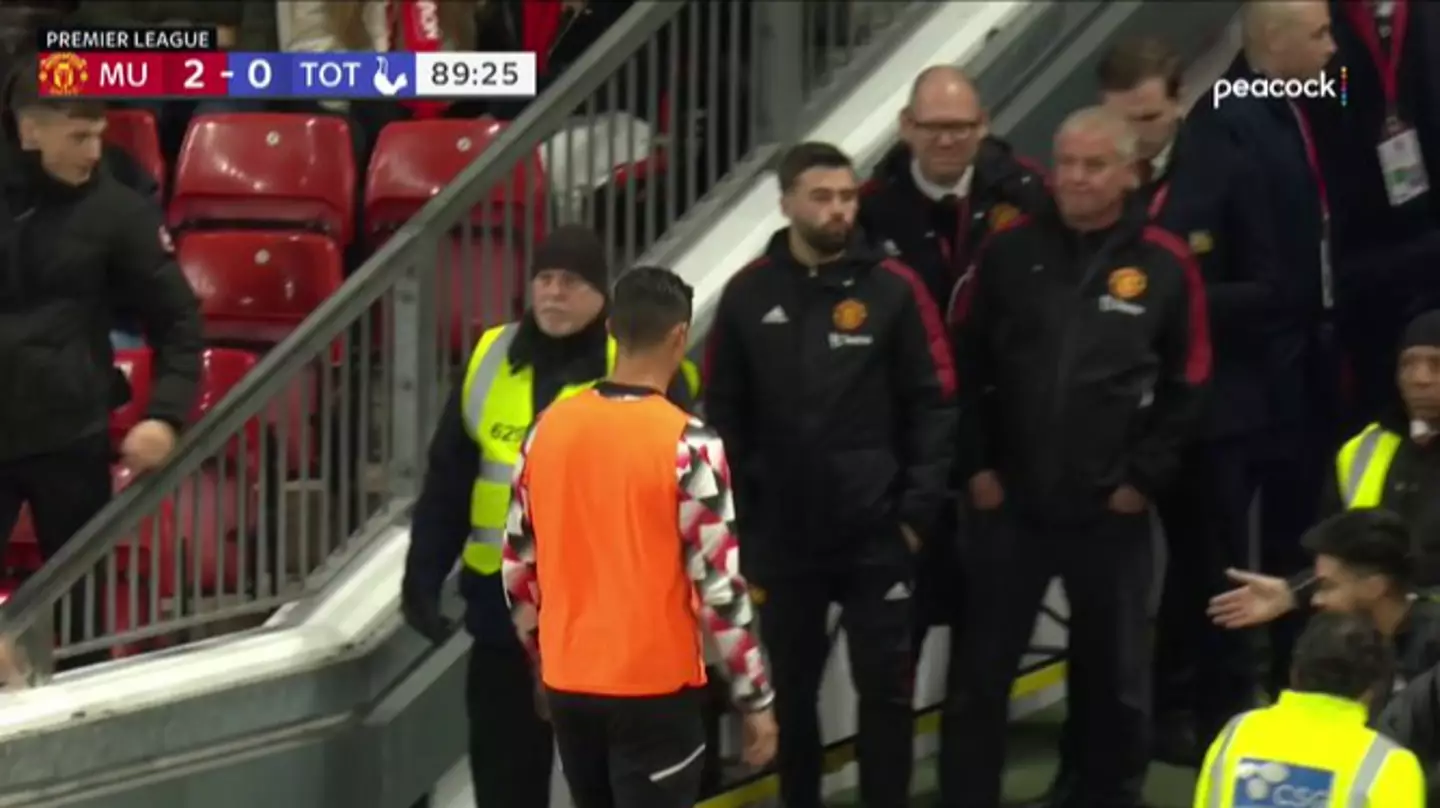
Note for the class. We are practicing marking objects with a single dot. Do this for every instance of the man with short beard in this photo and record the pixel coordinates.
(831, 383)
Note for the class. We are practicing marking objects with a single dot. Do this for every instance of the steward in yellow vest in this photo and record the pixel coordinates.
(1312, 747)
(557, 349)
(1392, 464)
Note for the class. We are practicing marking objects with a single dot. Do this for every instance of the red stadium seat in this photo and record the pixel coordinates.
(134, 131)
(414, 160)
(258, 286)
(266, 168)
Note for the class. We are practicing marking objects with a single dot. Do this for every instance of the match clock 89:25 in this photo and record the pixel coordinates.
(474, 75)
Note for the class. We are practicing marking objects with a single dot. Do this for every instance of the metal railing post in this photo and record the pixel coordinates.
(415, 352)
(781, 45)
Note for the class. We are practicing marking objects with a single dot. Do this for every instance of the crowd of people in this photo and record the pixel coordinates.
(939, 389)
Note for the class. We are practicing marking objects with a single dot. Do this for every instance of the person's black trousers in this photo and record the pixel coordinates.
(1106, 568)
(64, 489)
(511, 746)
(1291, 486)
(631, 752)
(1206, 517)
(876, 605)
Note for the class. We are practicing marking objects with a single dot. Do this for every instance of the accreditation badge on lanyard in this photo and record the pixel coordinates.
(1312, 156)
(1401, 163)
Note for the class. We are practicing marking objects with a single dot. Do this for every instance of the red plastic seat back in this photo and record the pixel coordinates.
(414, 160)
(266, 168)
(258, 286)
(134, 130)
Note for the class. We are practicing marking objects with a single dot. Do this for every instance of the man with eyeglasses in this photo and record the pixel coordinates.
(931, 202)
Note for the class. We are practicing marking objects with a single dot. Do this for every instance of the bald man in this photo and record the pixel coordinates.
(1088, 327)
(1287, 41)
(935, 196)
(931, 202)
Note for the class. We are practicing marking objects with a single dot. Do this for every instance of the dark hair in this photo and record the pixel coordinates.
(805, 156)
(24, 96)
(1340, 655)
(1372, 541)
(648, 302)
(1132, 62)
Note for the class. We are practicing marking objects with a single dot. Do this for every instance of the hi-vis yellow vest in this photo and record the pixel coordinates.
(1363, 464)
(497, 410)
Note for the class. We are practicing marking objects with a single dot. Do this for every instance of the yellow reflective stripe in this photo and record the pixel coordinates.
(1369, 771)
(1363, 465)
(498, 473)
(692, 377)
(482, 553)
(1360, 457)
(485, 368)
(1219, 777)
(489, 503)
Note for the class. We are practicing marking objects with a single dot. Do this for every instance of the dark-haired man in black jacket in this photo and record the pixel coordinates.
(1198, 184)
(1089, 326)
(830, 380)
(930, 203)
(76, 246)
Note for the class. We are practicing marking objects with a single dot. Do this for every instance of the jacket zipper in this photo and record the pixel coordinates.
(1064, 362)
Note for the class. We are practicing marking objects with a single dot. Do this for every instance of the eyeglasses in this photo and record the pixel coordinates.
(958, 129)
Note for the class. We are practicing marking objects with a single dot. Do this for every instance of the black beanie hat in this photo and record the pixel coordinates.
(1423, 331)
(574, 248)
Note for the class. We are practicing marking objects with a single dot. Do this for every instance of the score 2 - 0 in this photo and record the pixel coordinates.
(197, 75)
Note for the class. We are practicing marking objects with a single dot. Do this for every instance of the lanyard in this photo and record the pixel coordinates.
(953, 254)
(1387, 64)
(1312, 157)
(1157, 201)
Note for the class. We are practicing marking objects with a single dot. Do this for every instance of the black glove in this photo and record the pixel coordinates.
(423, 615)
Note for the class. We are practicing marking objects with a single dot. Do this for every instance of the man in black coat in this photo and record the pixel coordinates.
(1387, 232)
(1198, 185)
(1088, 325)
(1287, 40)
(930, 203)
(75, 247)
(830, 379)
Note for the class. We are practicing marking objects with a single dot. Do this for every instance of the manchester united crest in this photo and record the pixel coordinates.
(849, 315)
(63, 74)
(1127, 283)
(1002, 216)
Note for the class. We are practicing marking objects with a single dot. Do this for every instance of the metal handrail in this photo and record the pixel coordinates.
(278, 486)
(282, 364)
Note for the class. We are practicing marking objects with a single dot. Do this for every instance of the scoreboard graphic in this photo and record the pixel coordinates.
(185, 64)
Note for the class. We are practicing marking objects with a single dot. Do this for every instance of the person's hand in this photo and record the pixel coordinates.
(147, 445)
(986, 492)
(1128, 501)
(761, 735)
(14, 667)
(423, 615)
(912, 539)
(1258, 600)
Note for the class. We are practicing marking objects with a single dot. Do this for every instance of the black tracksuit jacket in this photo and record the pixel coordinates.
(71, 258)
(834, 390)
(1085, 358)
(938, 239)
